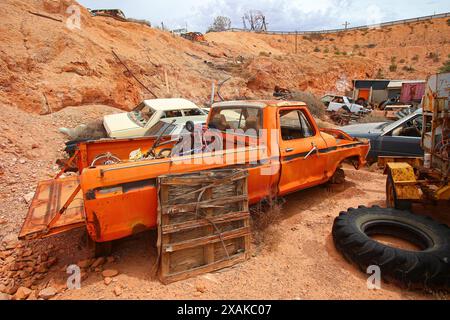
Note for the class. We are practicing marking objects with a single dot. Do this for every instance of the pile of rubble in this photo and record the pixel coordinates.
(23, 270)
(31, 273)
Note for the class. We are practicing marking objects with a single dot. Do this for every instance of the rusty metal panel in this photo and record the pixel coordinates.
(50, 197)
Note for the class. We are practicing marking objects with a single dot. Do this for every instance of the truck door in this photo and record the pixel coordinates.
(302, 165)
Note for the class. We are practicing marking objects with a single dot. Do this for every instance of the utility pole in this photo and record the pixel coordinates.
(346, 24)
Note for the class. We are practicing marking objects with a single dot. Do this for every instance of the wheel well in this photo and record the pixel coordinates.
(353, 160)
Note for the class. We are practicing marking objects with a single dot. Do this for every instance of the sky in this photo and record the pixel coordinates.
(281, 15)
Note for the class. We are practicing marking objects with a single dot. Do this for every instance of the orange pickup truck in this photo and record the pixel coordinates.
(115, 192)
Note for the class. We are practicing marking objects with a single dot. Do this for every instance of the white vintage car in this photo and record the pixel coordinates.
(140, 121)
(335, 103)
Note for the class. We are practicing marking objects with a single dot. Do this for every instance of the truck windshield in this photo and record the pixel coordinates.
(237, 118)
(141, 114)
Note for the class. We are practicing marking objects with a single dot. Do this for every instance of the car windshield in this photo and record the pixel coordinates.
(141, 114)
(392, 125)
(237, 118)
(193, 112)
(161, 127)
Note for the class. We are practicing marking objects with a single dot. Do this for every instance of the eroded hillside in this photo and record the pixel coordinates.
(46, 66)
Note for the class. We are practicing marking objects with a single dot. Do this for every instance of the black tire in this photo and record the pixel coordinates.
(428, 268)
(391, 196)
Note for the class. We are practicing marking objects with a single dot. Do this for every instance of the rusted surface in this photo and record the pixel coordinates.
(405, 181)
(50, 197)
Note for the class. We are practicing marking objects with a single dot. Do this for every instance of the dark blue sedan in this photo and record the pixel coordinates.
(400, 138)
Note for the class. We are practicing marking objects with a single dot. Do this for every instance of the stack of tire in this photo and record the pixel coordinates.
(427, 268)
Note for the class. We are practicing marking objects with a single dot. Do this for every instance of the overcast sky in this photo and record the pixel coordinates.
(283, 15)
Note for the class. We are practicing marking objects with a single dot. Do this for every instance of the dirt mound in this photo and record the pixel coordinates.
(48, 66)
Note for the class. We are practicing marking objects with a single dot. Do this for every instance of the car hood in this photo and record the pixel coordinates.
(119, 122)
(364, 129)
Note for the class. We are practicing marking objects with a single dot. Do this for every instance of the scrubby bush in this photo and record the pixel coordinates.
(446, 66)
(315, 106)
(433, 56)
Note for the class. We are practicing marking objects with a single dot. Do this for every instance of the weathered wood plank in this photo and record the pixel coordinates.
(235, 216)
(204, 269)
(171, 247)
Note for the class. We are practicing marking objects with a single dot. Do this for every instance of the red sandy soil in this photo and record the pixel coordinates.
(292, 259)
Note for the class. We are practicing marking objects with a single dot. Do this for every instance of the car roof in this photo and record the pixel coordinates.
(170, 104)
(259, 103)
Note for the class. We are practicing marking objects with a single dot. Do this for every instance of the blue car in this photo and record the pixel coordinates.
(400, 138)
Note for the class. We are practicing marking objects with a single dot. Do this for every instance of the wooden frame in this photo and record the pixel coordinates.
(203, 223)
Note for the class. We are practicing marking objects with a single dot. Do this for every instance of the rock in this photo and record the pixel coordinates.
(10, 241)
(107, 281)
(2, 288)
(47, 293)
(118, 291)
(33, 296)
(110, 273)
(4, 297)
(43, 257)
(22, 161)
(51, 262)
(110, 259)
(11, 289)
(2, 221)
(200, 287)
(28, 197)
(42, 268)
(98, 262)
(22, 293)
(27, 252)
(84, 264)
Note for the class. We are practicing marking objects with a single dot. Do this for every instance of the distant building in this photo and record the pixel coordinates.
(376, 91)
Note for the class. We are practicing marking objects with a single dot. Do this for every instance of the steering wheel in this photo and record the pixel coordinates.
(105, 159)
(417, 125)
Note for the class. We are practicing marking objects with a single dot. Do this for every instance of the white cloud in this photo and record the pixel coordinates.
(281, 14)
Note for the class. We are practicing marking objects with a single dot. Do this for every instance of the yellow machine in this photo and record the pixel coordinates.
(424, 179)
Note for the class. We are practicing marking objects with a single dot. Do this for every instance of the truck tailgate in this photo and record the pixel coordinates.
(50, 197)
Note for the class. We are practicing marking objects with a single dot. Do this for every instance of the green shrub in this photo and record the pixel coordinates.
(433, 56)
(446, 66)
(393, 68)
(408, 68)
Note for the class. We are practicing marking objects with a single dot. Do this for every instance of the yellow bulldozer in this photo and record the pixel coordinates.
(424, 179)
